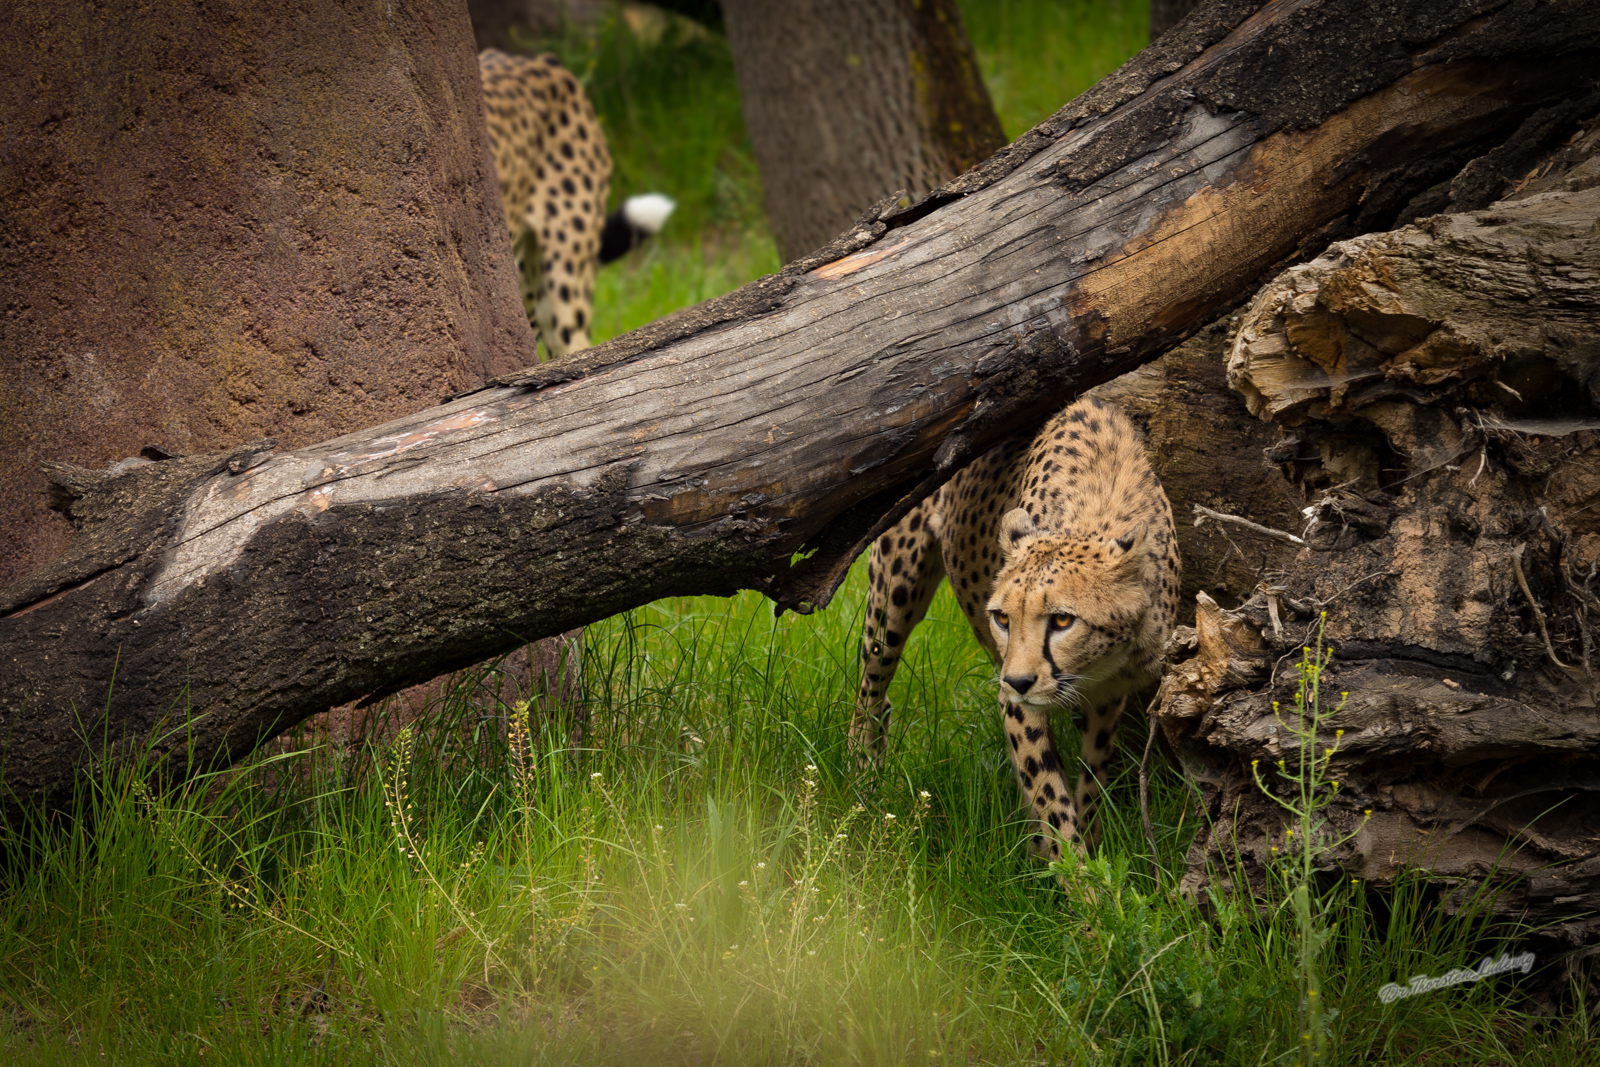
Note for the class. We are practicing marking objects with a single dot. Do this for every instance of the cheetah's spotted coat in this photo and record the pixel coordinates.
(555, 173)
(1061, 553)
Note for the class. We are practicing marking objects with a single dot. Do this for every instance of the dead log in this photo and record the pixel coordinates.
(1438, 392)
(209, 601)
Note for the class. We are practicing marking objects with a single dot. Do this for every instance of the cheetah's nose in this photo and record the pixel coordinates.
(1021, 684)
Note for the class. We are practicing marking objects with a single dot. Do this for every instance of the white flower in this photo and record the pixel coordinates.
(888, 816)
(595, 775)
(761, 866)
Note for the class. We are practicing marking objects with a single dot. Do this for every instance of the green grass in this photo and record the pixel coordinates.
(684, 889)
(678, 890)
(1036, 56)
(665, 276)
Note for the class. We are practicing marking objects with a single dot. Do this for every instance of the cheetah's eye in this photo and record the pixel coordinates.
(1060, 621)
(1001, 619)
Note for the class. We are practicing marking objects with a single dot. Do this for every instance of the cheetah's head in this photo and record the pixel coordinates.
(1065, 610)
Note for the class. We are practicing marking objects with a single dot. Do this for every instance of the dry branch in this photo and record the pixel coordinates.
(235, 594)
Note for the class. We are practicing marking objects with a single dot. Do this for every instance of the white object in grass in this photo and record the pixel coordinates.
(648, 211)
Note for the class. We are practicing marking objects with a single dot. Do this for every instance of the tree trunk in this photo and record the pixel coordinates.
(1438, 392)
(1165, 14)
(848, 101)
(231, 595)
(232, 221)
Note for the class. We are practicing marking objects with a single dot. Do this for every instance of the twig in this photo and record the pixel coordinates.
(1483, 460)
(1586, 603)
(1272, 679)
(1352, 585)
(1202, 513)
(1538, 615)
(1156, 704)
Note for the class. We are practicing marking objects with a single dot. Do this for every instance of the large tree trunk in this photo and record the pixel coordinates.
(848, 101)
(1438, 392)
(1165, 14)
(231, 595)
(232, 221)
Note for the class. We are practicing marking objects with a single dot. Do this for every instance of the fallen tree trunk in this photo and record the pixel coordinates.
(209, 601)
(1438, 392)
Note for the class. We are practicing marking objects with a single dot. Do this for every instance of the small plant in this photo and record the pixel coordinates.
(402, 820)
(1307, 839)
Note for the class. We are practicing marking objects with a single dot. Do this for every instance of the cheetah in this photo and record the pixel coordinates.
(1062, 555)
(554, 171)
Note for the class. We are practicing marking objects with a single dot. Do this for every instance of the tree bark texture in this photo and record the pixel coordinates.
(231, 595)
(1438, 392)
(232, 221)
(848, 101)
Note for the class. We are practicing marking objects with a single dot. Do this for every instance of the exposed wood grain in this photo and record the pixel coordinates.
(235, 594)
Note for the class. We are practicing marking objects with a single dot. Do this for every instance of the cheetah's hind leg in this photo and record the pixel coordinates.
(537, 300)
(903, 574)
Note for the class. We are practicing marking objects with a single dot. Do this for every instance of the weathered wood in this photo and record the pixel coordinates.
(1437, 388)
(231, 595)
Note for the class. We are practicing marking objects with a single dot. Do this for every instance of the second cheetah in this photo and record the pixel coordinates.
(554, 171)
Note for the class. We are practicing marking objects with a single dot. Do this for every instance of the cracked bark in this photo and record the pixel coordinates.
(233, 594)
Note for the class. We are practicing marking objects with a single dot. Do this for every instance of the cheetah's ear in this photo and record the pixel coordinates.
(1126, 554)
(1016, 526)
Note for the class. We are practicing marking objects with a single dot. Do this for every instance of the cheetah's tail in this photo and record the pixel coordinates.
(627, 227)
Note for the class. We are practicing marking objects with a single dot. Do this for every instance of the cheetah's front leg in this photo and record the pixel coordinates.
(1099, 730)
(1043, 778)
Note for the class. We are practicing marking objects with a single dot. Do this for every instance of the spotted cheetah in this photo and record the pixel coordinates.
(1062, 555)
(554, 170)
